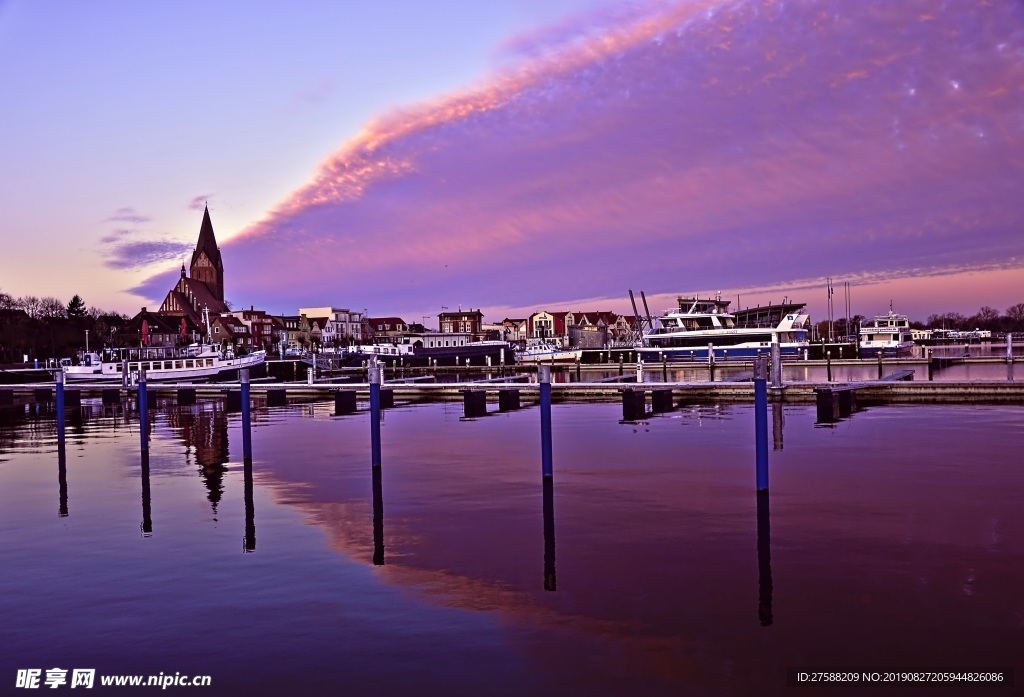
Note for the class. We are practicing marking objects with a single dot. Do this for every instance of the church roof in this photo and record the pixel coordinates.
(207, 242)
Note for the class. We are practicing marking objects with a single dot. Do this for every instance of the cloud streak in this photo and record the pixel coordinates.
(704, 144)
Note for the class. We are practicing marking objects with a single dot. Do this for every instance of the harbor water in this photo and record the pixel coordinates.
(893, 540)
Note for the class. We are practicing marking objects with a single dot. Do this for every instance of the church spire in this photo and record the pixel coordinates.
(206, 265)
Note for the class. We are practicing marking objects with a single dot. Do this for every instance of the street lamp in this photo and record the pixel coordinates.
(87, 341)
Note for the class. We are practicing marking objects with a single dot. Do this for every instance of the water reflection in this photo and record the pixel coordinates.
(778, 422)
(764, 560)
(204, 430)
(249, 543)
(62, 480)
(147, 520)
(549, 534)
(378, 518)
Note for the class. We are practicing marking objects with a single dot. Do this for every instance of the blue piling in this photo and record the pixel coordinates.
(143, 412)
(243, 377)
(60, 407)
(761, 421)
(374, 370)
(544, 378)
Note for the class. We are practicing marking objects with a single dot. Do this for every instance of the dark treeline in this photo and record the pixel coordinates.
(42, 328)
(987, 318)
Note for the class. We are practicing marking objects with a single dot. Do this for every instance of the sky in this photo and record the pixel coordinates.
(516, 155)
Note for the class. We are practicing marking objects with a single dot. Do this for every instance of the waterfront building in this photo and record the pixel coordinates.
(346, 325)
(203, 287)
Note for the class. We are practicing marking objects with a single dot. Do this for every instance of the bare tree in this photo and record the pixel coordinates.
(1016, 313)
(52, 308)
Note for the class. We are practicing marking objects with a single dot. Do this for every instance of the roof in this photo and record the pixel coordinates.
(386, 320)
(207, 242)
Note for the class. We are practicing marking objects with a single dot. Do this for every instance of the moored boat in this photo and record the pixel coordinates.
(888, 333)
(700, 325)
(194, 363)
(547, 353)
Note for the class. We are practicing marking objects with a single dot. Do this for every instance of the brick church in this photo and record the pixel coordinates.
(204, 285)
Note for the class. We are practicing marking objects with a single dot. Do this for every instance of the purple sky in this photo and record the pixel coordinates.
(749, 147)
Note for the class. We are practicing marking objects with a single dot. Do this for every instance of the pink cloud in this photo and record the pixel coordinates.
(705, 145)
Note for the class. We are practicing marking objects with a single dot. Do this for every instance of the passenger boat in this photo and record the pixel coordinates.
(431, 348)
(194, 363)
(700, 325)
(547, 353)
(889, 334)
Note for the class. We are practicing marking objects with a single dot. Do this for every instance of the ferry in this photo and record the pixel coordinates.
(889, 334)
(547, 353)
(194, 363)
(431, 348)
(702, 324)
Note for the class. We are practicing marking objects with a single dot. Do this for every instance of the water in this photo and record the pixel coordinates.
(896, 540)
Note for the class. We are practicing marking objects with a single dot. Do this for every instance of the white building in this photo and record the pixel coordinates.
(345, 325)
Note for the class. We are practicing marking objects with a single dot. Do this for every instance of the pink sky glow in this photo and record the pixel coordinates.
(748, 147)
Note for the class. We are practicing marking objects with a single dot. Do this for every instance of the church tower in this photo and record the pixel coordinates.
(206, 265)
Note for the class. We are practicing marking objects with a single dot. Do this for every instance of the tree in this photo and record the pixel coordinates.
(76, 308)
(51, 308)
(1016, 313)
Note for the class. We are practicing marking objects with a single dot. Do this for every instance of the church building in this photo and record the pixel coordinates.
(204, 285)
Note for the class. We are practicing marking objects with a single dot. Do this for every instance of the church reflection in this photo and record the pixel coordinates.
(204, 431)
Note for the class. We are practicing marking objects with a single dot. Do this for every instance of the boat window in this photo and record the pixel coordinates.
(190, 364)
(177, 364)
(209, 362)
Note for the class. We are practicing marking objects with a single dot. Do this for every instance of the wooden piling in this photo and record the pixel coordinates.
(344, 402)
(474, 403)
(634, 404)
(508, 400)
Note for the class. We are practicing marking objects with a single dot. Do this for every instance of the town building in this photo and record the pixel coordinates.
(203, 287)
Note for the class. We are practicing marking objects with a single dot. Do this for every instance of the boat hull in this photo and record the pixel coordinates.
(682, 354)
(222, 370)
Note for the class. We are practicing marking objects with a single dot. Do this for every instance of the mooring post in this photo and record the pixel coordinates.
(544, 378)
(828, 366)
(374, 376)
(577, 370)
(928, 359)
(243, 377)
(60, 407)
(880, 373)
(761, 421)
(664, 368)
(310, 374)
(776, 362)
(620, 364)
(143, 414)
(711, 362)
(124, 374)
(639, 370)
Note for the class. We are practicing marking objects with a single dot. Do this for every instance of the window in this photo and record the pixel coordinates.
(216, 330)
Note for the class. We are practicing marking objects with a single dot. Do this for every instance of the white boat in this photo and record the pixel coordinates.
(547, 353)
(700, 325)
(889, 334)
(194, 363)
(431, 348)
